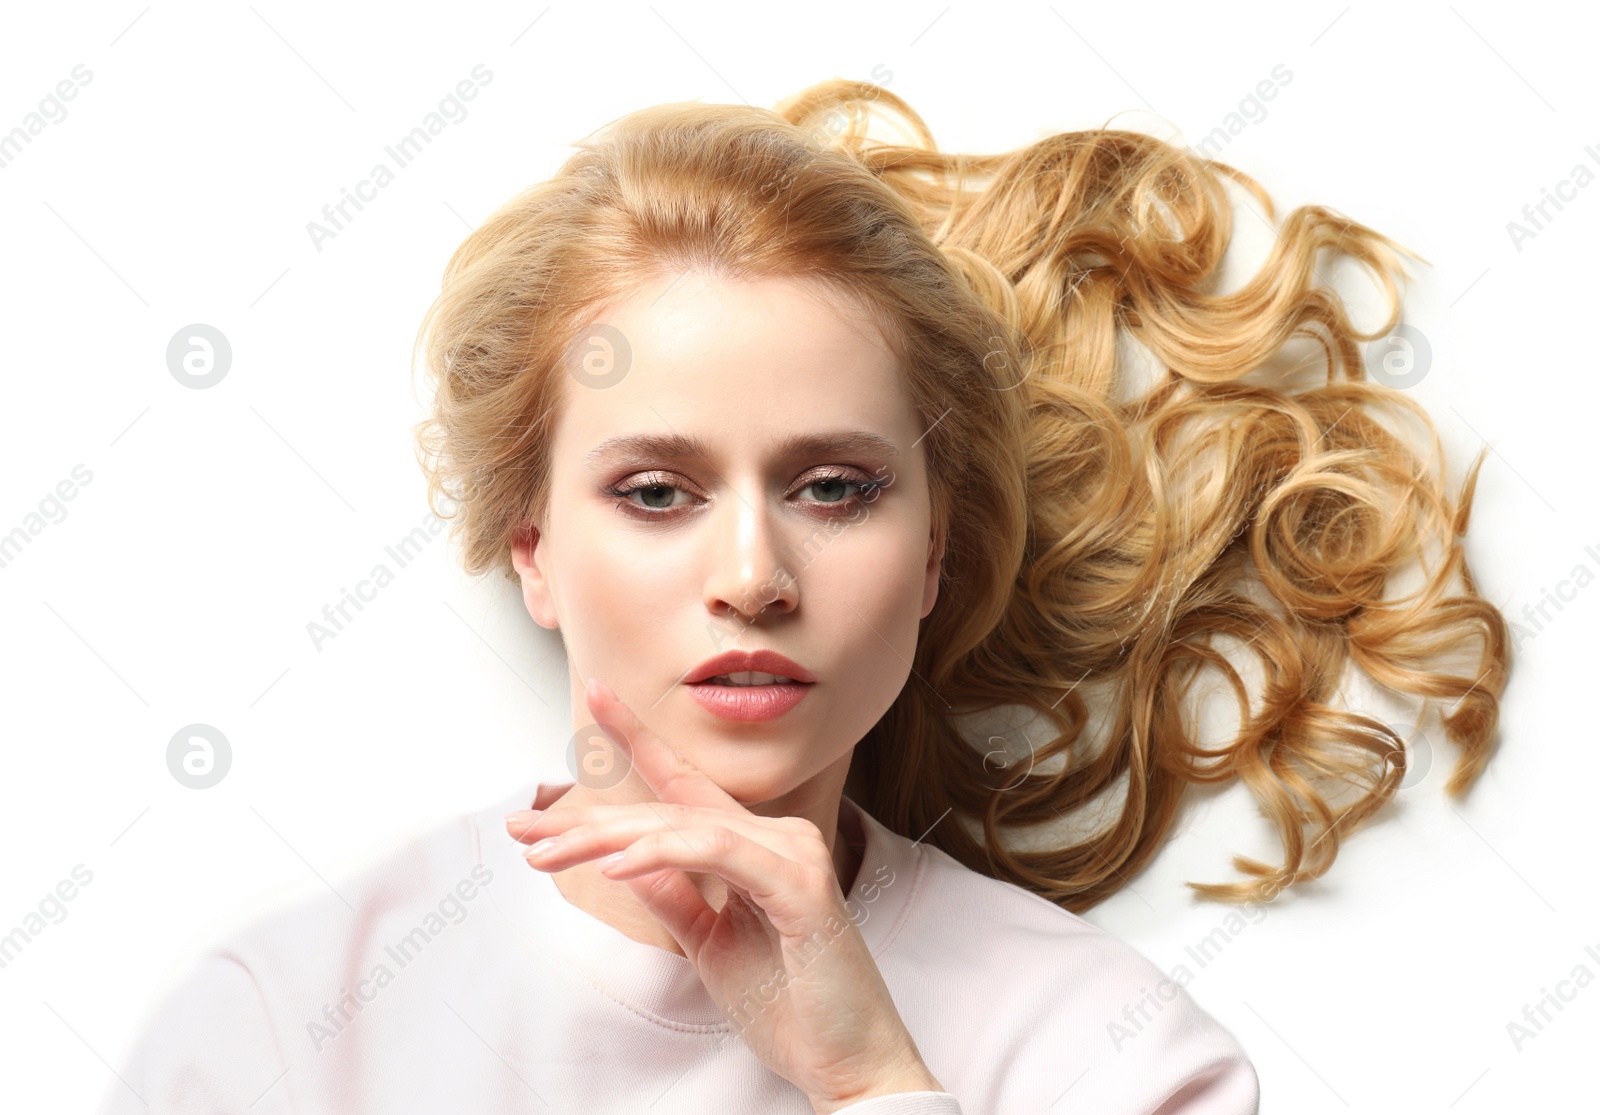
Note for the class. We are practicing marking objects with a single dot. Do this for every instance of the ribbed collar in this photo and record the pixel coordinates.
(658, 984)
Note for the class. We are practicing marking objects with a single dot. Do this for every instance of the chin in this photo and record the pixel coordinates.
(750, 782)
(748, 791)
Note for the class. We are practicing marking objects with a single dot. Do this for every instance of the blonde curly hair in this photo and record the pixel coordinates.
(1106, 536)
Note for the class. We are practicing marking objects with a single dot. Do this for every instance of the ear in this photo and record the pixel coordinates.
(526, 558)
(930, 578)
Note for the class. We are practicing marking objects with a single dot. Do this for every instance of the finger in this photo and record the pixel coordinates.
(667, 773)
(561, 850)
(521, 819)
(603, 828)
(790, 894)
(521, 824)
(676, 904)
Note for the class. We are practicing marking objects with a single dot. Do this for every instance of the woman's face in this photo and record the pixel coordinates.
(743, 424)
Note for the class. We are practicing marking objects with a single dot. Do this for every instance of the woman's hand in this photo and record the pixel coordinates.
(782, 957)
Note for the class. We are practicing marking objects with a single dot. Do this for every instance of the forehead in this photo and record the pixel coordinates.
(727, 360)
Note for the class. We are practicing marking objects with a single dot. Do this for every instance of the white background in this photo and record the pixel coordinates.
(219, 522)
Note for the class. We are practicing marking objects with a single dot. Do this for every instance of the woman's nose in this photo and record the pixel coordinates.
(748, 575)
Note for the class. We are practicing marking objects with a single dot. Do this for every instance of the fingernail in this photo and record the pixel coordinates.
(610, 861)
(541, 849)
(524, 816)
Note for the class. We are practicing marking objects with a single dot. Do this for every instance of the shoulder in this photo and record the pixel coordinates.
(334, 928)
(970, 916)
(208, 1044)
(233, 1023)
(1060, 990)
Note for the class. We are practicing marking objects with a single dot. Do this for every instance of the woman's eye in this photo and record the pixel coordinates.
(831, 489)
(651, 497)
(654, 495)
(659, 500)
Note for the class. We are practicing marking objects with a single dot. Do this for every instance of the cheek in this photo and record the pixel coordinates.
(866, 594)
(870, 589)
(610, 584)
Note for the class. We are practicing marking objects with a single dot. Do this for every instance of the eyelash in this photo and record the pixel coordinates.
(864, 490)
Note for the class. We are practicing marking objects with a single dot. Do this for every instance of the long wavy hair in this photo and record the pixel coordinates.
(1108, 533)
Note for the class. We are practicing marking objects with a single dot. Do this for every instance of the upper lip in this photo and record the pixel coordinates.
(737, 661)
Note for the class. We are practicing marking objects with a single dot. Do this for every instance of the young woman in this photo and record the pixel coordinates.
(811, 447)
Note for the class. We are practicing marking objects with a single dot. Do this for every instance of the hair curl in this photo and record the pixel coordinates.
(1108, 535)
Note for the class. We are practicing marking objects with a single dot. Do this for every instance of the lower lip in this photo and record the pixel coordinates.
(749, 702)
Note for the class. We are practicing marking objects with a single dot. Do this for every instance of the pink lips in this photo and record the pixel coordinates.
(737, 661)
(749, 702)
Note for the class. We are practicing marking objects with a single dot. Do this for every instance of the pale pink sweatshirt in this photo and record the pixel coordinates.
(459, 979)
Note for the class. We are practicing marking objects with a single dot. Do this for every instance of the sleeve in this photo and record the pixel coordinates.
(1115, 1035)
(905, 1103)
(1172, 1057)
(1190, 1063)
(208, 1046)
(1228, 1086)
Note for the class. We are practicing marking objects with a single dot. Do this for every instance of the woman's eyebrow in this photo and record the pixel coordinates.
(682, 447)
